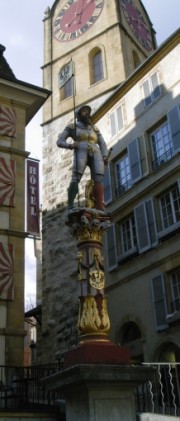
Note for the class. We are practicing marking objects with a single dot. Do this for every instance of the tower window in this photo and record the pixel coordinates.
(96, 66)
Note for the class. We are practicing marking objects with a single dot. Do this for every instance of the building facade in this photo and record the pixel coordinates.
(143, 197)
(19, 102)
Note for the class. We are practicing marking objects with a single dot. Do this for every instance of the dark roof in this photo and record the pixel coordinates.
(5, 69)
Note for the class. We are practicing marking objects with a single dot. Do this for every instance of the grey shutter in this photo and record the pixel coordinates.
(174, 121)
(155, 85)
(111, 248)
(120, 117)
(134, 160)
(147, 93)
(142, 227)
(159, 299)
(113, 124)
(151, 222)
(107, 185)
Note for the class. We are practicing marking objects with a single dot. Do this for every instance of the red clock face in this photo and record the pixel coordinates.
(75, 18)
(137, 24)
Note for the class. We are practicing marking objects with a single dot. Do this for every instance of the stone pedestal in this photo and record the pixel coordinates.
(99, 392)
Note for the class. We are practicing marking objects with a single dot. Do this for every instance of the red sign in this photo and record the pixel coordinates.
(33, 196)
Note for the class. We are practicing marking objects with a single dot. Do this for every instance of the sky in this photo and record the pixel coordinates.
(21, 32)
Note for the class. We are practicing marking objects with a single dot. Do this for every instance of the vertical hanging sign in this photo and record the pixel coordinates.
(33, 196)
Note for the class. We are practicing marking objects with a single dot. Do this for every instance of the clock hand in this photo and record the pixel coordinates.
(83, 9)
(79, 14)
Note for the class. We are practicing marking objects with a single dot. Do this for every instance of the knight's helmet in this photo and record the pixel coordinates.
(77, 113)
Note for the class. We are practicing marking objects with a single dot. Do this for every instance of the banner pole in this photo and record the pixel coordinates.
(75, 150)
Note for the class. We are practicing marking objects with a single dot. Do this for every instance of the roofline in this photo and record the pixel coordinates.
(137, 75)
(38, 95)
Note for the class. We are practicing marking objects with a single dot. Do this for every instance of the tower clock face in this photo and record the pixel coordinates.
(137, 23)
(75, 18)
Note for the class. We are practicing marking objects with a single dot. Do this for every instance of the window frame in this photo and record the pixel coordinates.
(150, 97)
(114, 120)
(162, 299)
(173, 213)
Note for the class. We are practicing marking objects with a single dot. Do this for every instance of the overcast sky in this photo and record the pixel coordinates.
(21, 32)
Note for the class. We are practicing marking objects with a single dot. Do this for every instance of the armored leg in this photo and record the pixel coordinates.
(72, 192)
(99, 195)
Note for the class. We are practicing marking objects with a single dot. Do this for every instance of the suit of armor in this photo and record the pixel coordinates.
(91, 151)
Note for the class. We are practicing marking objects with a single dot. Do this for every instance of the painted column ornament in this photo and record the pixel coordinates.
(88, 226)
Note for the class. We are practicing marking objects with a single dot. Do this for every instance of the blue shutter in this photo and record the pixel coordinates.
(151, 222)
(174, 121)
(107, 185)
(111, 248)
(142, 227)
(145, 225)
(134, 160)
(159, 299)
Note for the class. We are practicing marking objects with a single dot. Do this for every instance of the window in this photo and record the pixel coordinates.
(123, 175)
(175, 287)
(97, 65)
(135, 234)
(128, 168)
(170, 207)
(162, 145)
(160, 304)
(136, 59)
(116, 121)
(128, 234)
(67, 89)
(151, 89)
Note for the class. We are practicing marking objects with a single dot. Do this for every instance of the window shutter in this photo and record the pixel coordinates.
(147, 93)
(174, 121)
(120, 118)
(107, 185)
(142, 227)
(111, 248)
(155, 85)
(151, 222)
(134, 159)
(159, 299)
(113, 124)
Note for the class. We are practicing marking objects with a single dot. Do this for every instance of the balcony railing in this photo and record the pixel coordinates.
(21, 389)
(162, 159)
(123, 188)
(162, 395)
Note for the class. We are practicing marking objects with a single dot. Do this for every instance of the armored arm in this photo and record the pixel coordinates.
(102, 144)
(62, 138)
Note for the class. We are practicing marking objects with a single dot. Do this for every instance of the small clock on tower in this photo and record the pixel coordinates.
(75, 18)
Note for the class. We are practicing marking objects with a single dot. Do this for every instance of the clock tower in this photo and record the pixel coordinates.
(104, 40)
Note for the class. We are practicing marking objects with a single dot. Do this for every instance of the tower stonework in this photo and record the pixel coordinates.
(107, 28)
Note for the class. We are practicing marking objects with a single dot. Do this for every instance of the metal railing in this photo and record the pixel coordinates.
(21, 388)
(162, 394)
(162, 159)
